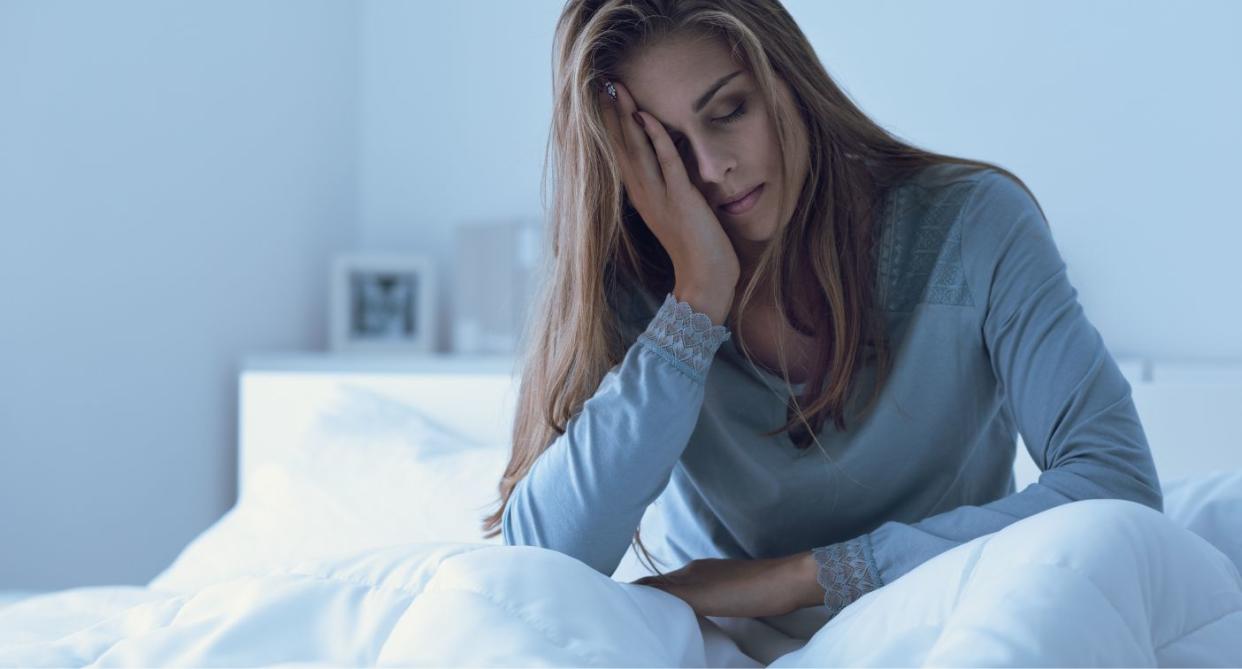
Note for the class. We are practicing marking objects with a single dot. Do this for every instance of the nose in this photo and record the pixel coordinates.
(711, 162)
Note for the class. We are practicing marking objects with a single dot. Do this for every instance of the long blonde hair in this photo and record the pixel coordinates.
(600, 250)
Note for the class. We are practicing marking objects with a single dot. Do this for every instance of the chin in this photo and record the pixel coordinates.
(754, 232)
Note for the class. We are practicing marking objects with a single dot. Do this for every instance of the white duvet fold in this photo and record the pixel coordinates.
(416, 604)
(1092, 583)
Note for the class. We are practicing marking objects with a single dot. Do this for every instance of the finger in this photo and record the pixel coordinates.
(671, 167)
(642, 155)
(612, 126)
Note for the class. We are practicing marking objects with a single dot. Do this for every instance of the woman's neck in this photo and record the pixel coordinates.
(763, 289)
(748, 253)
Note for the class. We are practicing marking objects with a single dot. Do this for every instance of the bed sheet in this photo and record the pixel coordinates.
(10, 596)
(1096, 582)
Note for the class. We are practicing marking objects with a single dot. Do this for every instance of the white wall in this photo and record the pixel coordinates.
(455, 106)
(173, 177)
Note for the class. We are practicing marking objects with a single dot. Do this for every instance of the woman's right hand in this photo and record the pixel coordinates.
(655, 180)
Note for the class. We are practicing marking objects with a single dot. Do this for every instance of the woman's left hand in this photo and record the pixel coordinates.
(743, 588)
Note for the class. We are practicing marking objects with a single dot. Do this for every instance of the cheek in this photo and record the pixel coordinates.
(765, 146)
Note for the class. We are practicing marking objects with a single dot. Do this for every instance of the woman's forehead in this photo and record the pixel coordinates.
(670, 76)
(676, 58)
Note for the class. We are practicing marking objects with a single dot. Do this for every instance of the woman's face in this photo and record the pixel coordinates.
(713, 109)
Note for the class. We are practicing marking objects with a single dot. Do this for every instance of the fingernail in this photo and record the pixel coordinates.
(639, 118)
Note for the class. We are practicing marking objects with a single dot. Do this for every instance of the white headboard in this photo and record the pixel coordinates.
(1188, 410)
(281, 396)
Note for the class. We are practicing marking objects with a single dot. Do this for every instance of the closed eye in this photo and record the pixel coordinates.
(730, 118)
(737, 113)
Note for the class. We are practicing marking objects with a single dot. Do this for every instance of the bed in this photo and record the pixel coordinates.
(355, 541)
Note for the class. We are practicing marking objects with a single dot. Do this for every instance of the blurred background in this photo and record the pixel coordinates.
(178, 178)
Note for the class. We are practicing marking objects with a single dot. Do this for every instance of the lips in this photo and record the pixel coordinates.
(744, 203)
(736, 198)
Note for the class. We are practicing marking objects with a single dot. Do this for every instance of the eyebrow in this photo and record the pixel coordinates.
(707, 97)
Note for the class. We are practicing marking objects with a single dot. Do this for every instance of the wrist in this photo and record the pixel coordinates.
(714, 301)
(801, 581)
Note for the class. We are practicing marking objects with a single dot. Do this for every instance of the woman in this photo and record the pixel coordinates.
(739, 255)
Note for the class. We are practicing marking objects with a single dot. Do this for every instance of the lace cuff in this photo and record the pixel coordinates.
(847, 571)
(685, 337)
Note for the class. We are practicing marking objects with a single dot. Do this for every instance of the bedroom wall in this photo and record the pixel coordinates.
(454, 109)
(173, 178)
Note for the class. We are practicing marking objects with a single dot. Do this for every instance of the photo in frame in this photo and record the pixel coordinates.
(382, 303)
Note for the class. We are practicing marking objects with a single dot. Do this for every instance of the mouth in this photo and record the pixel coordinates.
(744, 203)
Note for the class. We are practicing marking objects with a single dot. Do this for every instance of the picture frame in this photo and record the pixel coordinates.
(382, 303)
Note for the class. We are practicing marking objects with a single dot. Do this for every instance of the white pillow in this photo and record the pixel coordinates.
(1209, 505)
(373, 471)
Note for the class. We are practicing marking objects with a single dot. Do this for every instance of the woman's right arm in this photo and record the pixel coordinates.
(586, 494)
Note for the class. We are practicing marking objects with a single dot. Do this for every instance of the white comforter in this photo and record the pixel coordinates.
(1099, 582)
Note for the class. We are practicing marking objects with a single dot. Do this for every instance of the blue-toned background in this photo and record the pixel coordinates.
(176, 176)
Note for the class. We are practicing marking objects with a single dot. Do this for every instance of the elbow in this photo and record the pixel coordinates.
(506, 529)
(1124, 481)
(511, 521)
(520, 529)
(1151, 495)
(1147, 489)
(511, 526)
(1141, 488)
(1131, 476)
(524, 522)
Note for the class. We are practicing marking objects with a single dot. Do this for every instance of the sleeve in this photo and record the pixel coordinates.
(585, 495)
(1071, 403)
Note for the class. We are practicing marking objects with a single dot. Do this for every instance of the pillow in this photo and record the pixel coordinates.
(1209, 505)
(372, 471)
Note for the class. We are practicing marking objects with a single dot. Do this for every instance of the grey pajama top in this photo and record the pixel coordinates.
(988, 341)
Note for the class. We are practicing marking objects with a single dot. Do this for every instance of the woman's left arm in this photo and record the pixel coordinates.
(1071, 403)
